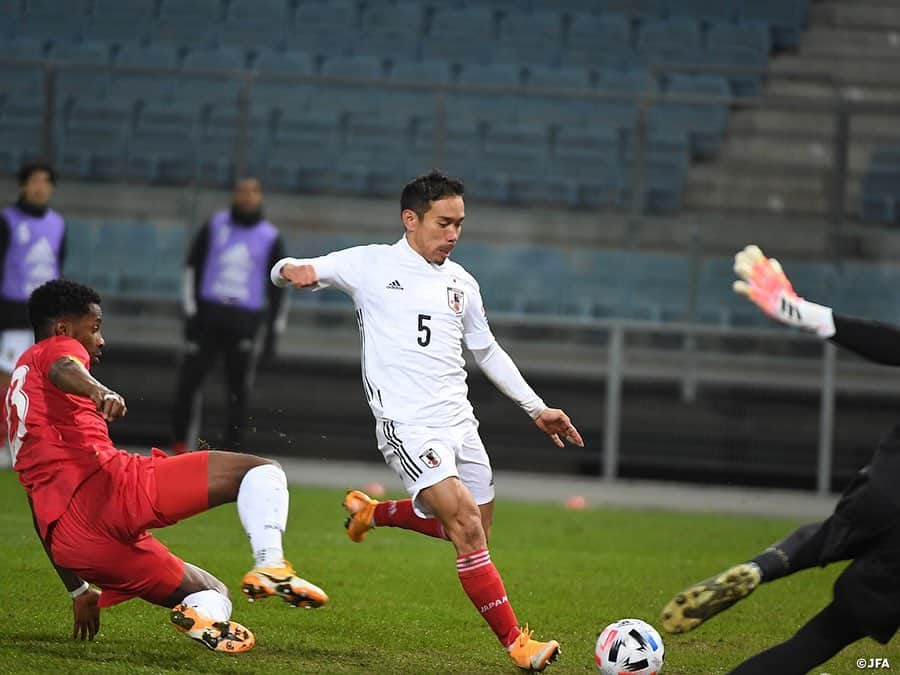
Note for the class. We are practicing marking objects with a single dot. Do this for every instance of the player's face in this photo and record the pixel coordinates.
(86, 329)
(434, 236)
(38, 189)
(247, 195)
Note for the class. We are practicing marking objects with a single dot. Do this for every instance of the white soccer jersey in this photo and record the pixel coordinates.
(413, 317)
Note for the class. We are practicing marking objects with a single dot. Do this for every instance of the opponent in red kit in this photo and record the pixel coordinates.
(93, 504)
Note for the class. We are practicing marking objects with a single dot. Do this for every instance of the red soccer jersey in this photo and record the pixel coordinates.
(57, 439)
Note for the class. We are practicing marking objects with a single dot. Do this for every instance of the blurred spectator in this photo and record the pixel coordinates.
(32, 249)
(230, 308)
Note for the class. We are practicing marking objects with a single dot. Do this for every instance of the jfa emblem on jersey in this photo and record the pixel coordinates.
(430, 459)
(455, 298)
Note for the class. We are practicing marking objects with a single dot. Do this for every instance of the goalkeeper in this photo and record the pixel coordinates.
(865, 525)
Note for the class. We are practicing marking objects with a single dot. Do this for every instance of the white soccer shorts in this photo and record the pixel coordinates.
(424, 456)
(13, 344)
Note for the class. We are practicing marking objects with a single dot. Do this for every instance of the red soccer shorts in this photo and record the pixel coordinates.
(102, 535)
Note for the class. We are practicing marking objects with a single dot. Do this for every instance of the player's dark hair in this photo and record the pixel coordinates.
(32, 167)
(432, 186)
(57, 299)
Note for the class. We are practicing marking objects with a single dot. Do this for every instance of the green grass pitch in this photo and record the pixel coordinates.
(396, 604)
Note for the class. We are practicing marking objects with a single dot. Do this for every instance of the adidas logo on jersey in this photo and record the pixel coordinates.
(394, 286)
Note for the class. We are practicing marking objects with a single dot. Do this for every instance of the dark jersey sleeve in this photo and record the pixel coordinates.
(196, 257)
(275, 295)
(873, 340)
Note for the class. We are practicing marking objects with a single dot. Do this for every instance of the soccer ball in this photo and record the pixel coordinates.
(629, 646)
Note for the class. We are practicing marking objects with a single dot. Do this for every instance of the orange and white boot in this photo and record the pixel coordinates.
(219, 636)
(264, 582)
(532, 655)
(362, 514)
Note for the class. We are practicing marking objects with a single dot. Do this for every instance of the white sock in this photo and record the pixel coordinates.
(262, 504)
(211, 604)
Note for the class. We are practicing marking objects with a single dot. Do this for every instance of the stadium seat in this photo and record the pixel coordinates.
(303, 149)
(599, 41)
(193, 12)
(670, 41)
(880, 194)
(25, 48)
(163, 144)
(287, 62)
(373, 157)
(787, 19)
(704, 10)
(82, 53)
(639, 9)
(117, 21)
(260, 24)
(461, 35)
(706, 123)
(144, 85)
(324, 28)
(533, 37)
(416, 99)
(745, 44)
(79, 248)
(868, 291)
(386, 31)
(355, 96)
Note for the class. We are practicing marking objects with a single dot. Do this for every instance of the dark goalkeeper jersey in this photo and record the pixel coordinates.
(878, 342)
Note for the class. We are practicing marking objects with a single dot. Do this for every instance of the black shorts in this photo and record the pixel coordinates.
(865, 527)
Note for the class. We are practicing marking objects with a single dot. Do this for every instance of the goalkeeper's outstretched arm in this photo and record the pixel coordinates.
(763, 282)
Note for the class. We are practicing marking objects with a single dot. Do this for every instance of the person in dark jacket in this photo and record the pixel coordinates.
(230, 309)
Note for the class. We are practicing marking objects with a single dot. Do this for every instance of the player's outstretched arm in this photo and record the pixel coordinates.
(500, 369)
(85, 607)
(763, 282)
(68, 373)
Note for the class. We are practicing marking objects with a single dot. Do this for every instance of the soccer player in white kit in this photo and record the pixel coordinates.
(415, 309)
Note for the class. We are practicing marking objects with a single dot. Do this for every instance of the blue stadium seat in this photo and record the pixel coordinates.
(163, 144)
(547, 77)
(85, 53)
(121, 22)
(220, 58)
(374, 156)
(599, 41)
(463, 35)
(706, 123)
(289, 62)
(421, 101)
(640, 9)
(869, 291)
(386, 31)
(303, 150)
(193, 12)
(57, 27)
(488, 105)
(79, 247)
(324, 28)
(351, 97)
(658, 288)
(148, 56)
(144, 86)
(25, 48)
(255, 23)
(20, 134)
(787, 19)
(880, 194)
(704, 10)
(586, 157)
(885, 157)
(672, 41)
(744, 44)
(534, 37)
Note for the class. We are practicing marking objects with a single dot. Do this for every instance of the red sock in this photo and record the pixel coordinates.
(400, 514)
(482, 583)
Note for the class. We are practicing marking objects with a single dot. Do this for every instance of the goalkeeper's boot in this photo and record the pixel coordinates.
(264, 582)
(220, 636)
(362, 514)
(532, 655)
(706, 599)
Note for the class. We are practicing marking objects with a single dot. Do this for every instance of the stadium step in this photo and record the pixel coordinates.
(851, 43)
(873, 14)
